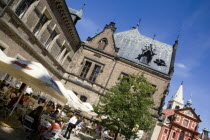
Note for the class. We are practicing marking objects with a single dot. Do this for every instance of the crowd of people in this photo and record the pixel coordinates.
(62, 121)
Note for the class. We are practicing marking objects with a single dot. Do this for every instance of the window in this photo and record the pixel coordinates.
(40, 24)
(181, 136)
(66, 52)
(102, 44)
(177, 107)
(95, 73)
(125, 76)
(173, 135)
(185, 122)
(166, 131)
(169, 106)
(2, 48)
(23, 7)
(85, 69)
(50, 39)
(62, 47)
(83, 98)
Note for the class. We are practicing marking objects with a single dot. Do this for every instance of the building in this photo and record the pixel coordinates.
(105, 57)
(205, 134)
(39, 30)
(177, 101)
(44, 31)
(178, 122)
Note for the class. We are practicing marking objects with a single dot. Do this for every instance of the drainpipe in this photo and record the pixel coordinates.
(8, 4)
(107, 81)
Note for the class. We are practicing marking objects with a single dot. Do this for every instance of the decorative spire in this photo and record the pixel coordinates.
(178, 96)
(177, 101)
(138, 24)
(83, 7)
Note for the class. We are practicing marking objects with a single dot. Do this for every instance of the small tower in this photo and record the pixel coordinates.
(189, 103)
(75, 14)
(177, 101)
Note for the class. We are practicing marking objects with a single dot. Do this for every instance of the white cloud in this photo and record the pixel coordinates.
(180, 65)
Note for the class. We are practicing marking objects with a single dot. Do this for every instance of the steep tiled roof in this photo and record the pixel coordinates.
(131, 43)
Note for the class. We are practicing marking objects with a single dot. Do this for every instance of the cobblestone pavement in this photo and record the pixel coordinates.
(7, 133)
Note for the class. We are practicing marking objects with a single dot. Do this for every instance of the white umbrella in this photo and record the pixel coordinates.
(89, 109)
(29, 90)
(76, 103)
(32, 73)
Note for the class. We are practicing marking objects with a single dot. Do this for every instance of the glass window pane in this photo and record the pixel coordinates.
(40, 24)
(50, 39)
(95, 73)
(85, 69)
(23, 7)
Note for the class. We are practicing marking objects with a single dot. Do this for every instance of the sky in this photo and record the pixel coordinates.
(190, 19)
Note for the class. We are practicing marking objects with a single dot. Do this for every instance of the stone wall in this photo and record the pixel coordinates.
(18, 38)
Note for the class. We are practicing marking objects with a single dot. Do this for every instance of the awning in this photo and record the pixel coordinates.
(33, 74)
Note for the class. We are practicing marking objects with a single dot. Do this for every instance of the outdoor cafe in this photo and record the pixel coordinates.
(39, 99)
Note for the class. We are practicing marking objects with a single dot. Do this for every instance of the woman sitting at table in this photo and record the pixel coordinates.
(53, 130)
(36, 115)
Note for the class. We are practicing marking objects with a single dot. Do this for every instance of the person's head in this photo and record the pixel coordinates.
(57, 121)
(56, 112)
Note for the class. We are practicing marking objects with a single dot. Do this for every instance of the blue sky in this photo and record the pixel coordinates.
(166, 19)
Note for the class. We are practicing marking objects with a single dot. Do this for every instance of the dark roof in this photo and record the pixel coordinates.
(131, 43)
(75, 13)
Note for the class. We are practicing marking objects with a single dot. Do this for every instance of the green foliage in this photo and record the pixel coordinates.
(127, 105)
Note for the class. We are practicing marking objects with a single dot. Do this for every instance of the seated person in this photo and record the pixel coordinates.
(55, 125)
(55, 115)
(13, 101)
(53, 130)
(36, 115)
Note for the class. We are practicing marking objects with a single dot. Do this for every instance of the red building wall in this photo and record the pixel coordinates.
(172, 130)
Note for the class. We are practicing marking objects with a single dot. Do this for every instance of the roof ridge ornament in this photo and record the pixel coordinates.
(137, 25)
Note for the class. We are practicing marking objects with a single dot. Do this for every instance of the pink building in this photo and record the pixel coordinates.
(178, 121)
(180, 124)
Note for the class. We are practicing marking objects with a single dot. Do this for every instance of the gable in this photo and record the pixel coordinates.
(107, 36)
(189, 112)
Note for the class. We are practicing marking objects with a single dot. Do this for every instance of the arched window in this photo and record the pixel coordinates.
(83, 98)
(173, 135)
(102, 43)
(177, 107)
(181, 136)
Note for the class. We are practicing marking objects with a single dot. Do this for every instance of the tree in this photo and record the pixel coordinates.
(126, 107)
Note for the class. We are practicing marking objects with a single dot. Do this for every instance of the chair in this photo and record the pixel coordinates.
(5, 111)
(27, 124)
(51, 135)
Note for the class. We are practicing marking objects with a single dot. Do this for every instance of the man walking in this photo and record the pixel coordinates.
(72, 124)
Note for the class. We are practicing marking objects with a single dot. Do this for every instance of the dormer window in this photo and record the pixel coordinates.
(102, 43)
(147, 54)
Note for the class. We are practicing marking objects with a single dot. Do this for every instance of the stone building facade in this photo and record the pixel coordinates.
(102, 59)
(39, 30)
